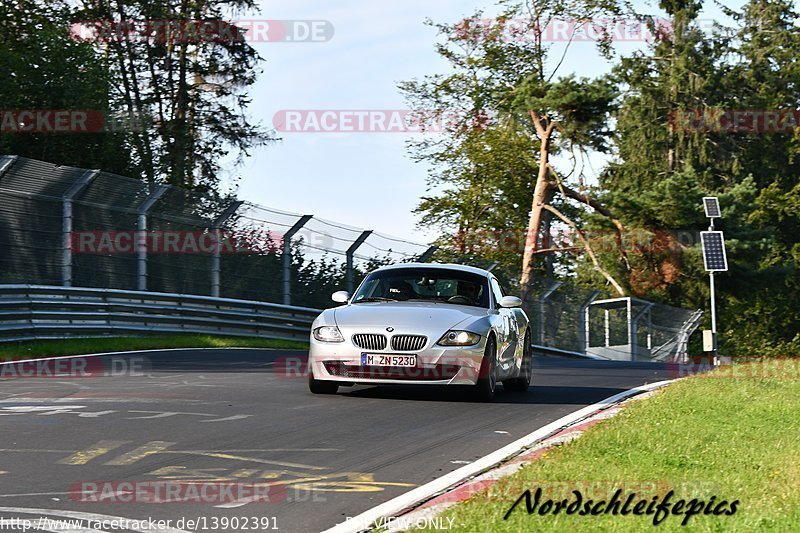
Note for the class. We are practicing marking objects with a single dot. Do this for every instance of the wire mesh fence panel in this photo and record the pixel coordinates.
(103, 224)
(72, 226)
(30, 240)
(565, 317)
(580, 320)
(671, 328)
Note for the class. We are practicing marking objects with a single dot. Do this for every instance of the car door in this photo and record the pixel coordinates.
(507, 346)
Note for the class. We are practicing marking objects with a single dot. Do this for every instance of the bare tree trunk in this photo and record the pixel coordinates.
(619, 229)
(547, 242)
(541, 197)
(588, 247)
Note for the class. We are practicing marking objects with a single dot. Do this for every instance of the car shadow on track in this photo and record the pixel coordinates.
(536, 395)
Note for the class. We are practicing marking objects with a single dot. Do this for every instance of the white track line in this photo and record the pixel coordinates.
(413, 498)
(25, 360)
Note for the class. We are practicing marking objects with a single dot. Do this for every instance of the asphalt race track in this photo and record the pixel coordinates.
(246, 417)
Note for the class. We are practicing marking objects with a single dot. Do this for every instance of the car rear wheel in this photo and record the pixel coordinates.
(319, 386)
(487, 378)
(521, 383)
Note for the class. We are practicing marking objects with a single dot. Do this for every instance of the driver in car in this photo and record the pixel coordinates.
(468, 291)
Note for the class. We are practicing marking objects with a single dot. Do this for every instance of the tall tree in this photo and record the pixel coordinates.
(504, 68)
(479, 167)
(182, 65)
(45, 70)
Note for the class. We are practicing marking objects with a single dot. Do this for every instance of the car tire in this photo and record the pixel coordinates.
(523, 382)
(319, 386)
(485, 388)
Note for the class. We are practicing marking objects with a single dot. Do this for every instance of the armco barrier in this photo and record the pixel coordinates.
(51, 312)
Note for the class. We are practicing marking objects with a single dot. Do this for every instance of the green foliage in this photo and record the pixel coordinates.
(44, 69)
(580, 106)
(192, 88)
(665, 165)
(484, 168)
(182, 99)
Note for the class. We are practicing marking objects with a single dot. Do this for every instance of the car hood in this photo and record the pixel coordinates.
(406, 316)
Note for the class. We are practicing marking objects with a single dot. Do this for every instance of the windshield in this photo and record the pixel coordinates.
(425, 284)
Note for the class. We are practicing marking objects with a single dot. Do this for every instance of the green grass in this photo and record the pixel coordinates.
(733, 435)
(28, 349)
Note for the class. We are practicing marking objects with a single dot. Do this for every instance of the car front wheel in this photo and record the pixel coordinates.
(319, 386)
(487, 378)
(521, 383)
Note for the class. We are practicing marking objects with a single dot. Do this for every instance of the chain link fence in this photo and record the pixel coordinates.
(87, 228)
(578, 320)
(66, 226)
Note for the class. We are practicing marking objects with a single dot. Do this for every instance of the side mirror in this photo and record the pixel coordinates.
(340, 296)
(510, 301)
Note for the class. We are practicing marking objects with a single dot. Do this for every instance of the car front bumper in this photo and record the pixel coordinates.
(436, 365)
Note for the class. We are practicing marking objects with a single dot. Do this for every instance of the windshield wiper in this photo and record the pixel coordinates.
(375, 299)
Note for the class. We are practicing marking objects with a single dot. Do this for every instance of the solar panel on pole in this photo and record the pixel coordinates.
(714, 257)
(711, 205)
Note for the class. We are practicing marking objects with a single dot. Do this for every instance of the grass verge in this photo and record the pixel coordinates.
(29, 349)
(728, 435)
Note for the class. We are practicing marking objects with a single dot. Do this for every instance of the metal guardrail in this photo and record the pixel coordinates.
(51, 312)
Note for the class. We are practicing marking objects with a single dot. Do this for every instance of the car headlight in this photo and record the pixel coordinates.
(459, 338)
(328, 334)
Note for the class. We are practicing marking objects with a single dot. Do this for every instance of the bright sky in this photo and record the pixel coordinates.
(365, 180)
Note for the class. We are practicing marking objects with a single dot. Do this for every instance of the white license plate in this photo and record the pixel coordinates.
(369, 359)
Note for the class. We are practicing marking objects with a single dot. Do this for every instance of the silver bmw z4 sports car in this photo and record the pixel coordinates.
(420, 323)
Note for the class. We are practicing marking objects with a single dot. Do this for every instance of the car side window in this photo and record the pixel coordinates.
(496, 291)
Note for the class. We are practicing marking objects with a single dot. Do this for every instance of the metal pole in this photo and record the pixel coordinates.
(586, 338)
(713, 316)
(631, 341)
(141, 234)
(583, 322)
(634, 329)
(215, 256)
(287, 258)
(141, 250)
(540, 319)
(350, 252)
(7, 161)
(66, 259)
(713, 291)
(423, 258)
(66, 224)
